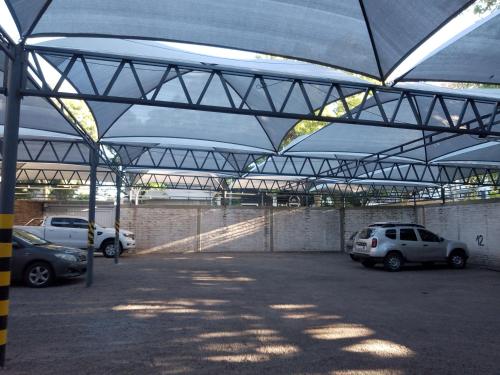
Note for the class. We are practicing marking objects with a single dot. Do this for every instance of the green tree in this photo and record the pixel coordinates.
(483, 6)
(334, 109)
(83, 115)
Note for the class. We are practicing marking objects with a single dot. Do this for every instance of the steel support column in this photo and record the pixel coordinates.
(8, 185)
(117, 215)
(94, 158)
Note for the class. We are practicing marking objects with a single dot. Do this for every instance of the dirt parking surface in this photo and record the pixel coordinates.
(257, 313)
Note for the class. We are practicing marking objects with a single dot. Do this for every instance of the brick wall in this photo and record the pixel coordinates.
(234, 229)
(306, 230)
(229, 229)
(189, 228)
(162, 229)
(358, 218)
(476, 224)
(27, 210)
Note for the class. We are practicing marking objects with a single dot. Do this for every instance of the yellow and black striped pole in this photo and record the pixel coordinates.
(8, 149)
(6, 223)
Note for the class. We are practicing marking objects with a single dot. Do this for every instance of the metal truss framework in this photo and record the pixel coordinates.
(298, 87)
(73, 178)
(66, 177)
(345, 169)
(246, 164)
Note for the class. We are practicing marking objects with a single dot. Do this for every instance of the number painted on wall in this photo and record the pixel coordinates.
(480, 239)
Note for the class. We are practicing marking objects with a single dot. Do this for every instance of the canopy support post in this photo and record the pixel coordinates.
(117, 214)
(94, 158)
(8, 184)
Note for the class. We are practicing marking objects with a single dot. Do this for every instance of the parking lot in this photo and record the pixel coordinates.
(257, 313)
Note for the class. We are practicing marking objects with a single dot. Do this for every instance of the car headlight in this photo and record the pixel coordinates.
(129, 235)
(67, 257)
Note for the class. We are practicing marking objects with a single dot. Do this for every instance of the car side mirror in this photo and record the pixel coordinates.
(15, 245)
(441, 239)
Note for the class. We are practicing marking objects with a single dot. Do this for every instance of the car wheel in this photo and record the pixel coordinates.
(457, 259)
(368, 263)
(354, 257)
(38, 275)
(393, 262)
(108, 248)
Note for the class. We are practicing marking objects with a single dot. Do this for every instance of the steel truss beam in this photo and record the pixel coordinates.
(243, 164)
(66, 177)
(279, 165)
(46, 177)
(300, 187)
(272, 104)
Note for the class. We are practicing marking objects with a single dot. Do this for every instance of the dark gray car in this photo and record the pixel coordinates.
(38, 262)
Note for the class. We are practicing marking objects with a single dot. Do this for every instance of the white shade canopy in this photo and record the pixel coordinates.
(355, 35)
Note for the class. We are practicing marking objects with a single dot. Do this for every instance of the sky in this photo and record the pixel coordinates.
(447, 33)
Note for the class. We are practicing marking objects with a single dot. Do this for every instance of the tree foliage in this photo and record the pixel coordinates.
(306, 127)
(483, 6)
(83, 115)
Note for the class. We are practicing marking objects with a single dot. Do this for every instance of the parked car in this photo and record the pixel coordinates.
(38, 262)
(394, 244)
(72, 231)
(349, 246)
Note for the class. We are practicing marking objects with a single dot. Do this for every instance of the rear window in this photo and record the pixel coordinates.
(391, 233)
(407, 234)
(353, 235)
(365, 233)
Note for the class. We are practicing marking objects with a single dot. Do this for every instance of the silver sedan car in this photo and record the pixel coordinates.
(394, 244)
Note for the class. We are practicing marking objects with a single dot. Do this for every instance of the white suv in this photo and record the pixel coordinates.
(393, 244)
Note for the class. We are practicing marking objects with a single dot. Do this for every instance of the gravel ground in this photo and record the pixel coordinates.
(257, 313)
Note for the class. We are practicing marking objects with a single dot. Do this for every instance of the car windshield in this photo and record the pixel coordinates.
(28, 237)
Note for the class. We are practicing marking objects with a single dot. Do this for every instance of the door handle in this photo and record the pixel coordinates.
(403, 244)
(426, 245)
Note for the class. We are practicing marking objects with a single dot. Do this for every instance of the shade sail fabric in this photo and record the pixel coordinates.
(359, 142)
(37, 114)
(115, 119)
(331, 32)
(473, 57)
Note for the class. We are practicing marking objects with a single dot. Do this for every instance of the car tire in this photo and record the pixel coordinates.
(457, 259)
(393, 262)
(368, 263)
(354, 257)
(108, 248)
(38, 275)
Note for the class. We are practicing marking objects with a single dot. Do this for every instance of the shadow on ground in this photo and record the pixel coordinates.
(257, 313)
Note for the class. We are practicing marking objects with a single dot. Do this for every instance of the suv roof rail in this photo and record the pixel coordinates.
(392, 225)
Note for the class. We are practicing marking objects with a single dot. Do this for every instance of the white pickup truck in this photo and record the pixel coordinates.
(72, 231)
